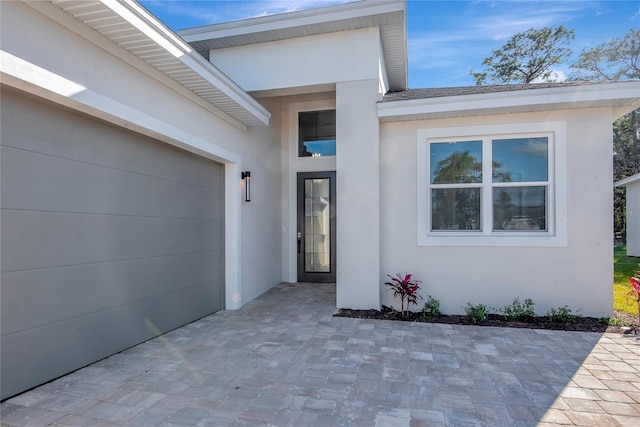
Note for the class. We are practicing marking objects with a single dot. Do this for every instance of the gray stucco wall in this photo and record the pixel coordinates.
(108, 239)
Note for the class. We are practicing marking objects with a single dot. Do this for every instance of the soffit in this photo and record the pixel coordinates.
(134, 29)
(388, 15)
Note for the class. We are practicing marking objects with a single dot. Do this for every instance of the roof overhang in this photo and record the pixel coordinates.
(388, 15)
(623, 97)
(633, 179)
(133, 28)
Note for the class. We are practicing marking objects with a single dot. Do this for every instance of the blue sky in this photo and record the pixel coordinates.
(445, 38)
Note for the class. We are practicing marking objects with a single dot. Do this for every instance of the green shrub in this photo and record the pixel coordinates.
(615, 321)
(431, 308)
(561, 314)
(519, 311)
(477, 313)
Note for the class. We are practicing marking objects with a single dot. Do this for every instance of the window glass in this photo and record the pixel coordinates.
(492, 185)
(520, 209)
(520, 159)
(317, 133)
(455, 209)
(456, 162)
(317, 223)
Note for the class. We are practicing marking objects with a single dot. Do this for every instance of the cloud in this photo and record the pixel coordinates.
(452, 44)
(200, 12)
(272, 7)
(556, 76)
(533, 147)
(204, 12)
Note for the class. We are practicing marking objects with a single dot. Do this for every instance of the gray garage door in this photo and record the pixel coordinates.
(108, 238)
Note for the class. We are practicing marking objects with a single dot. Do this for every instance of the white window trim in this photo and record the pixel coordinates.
(556, 236)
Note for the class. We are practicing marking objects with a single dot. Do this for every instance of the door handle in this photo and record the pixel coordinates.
(299, 242)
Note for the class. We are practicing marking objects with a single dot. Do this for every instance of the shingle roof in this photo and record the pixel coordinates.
(440, 92)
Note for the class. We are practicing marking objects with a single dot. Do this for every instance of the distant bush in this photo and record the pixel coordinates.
(519, 311)
(477, 313)
(561, 314)
(431, 308)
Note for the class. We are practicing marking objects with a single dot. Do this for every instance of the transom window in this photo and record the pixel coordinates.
(487, 185)
(317, 133)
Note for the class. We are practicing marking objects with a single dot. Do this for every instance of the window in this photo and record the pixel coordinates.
(317, 133)
(492, 185)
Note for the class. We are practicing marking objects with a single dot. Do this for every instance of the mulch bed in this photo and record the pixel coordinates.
(580, 323)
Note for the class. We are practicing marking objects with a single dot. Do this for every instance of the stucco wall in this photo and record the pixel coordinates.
(260, 225)
(358, 184)
(304, 61)
(579, 274)
(633, 219)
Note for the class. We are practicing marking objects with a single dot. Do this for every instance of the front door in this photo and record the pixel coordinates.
(316, 227)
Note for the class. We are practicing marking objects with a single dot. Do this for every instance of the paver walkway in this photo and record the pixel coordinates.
(283, 360)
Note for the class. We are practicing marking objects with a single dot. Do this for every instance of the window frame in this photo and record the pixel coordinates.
(301, 143)
(556, 233)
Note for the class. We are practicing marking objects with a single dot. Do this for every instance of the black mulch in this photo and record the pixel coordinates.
(579, 323)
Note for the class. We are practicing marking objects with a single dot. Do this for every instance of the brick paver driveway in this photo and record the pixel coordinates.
(283, 360)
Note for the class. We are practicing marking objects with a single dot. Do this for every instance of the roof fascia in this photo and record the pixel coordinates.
(151, 28)
(603, 94)
(292, 19)
(66, 20)
(156, 31)
(628, 181)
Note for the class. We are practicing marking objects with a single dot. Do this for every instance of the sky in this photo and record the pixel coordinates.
(446, 39)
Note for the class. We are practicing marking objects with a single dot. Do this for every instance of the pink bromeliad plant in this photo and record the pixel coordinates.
(406, 288)
(635, 292)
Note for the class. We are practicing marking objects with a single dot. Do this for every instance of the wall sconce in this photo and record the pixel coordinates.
(246, 176)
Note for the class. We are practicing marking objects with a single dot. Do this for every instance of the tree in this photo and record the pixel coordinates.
(617, 59)
(526, 57)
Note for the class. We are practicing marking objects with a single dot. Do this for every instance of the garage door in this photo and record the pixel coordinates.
(108, 239)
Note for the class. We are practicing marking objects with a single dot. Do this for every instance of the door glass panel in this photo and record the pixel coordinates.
(317, 248)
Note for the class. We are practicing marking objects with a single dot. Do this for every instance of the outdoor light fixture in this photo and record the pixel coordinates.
(246, 175)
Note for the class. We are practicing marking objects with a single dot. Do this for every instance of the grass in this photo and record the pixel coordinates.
(623, 267)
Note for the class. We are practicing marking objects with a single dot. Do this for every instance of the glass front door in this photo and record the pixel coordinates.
(316, 227)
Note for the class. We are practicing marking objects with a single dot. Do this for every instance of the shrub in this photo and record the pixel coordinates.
(477, 313)
(406, 288)
(519, 311)
(431, 308)
(635, 291)
(561, 314)
(615, 321)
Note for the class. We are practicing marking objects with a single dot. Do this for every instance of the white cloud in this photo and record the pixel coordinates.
(200, 12)
(532, 147)
(271, 7)
(454, 45)
(203, 12)
(556, 76)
